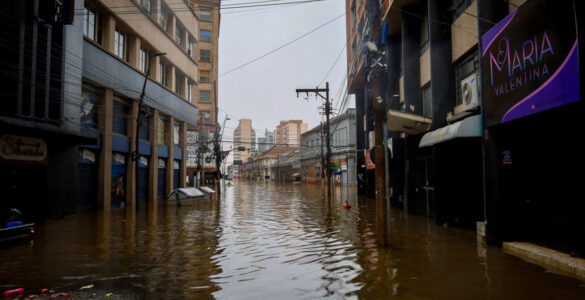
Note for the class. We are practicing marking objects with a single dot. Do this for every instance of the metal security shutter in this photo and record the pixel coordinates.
(161, 183)
(87, 190)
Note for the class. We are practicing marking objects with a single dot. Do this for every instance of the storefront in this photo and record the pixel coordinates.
(532, 111)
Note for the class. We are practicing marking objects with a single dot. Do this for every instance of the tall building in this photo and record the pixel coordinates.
(119, 44)
(288, 133)
(244, 142)
(101, 62)
(206, 54)
(472, 91)
(39, 111)
(266, 142)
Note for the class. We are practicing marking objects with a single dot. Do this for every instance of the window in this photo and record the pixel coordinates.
(162, 73)
(205, 15)
(89, 23)
(119, 117)
(190, 92)
(205, 96)
(424, 35)
(190, 49)
(204, 76)
(120, 46)
(205, 55)
(179, 33)
(179, 88)
(146, 5)
(164, 17)
(143, 59)
(205, 35)
(92, 24)
(204, 115)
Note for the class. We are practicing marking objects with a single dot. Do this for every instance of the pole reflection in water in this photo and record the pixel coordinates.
(266, 241)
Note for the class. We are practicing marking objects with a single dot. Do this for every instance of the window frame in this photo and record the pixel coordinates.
(208, 97)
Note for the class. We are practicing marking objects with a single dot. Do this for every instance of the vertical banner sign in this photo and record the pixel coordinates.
(530, 61)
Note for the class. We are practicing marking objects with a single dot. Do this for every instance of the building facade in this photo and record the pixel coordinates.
(39, 116)
(289, 132)
(201, 165)
(463, 140)
(119, 44)
(343, 149)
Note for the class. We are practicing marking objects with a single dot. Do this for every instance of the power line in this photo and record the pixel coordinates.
(282, 46)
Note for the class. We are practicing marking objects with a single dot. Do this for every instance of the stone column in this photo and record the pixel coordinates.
(171, 160)
(105, 124)
(135, 52)
(108, 32)
(154, 68)
(153, 165)
(131, 166)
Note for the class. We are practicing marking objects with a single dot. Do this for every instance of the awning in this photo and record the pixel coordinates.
(406, 122)
(469, 127)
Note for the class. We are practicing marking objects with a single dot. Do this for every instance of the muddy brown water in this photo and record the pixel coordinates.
(270, 241)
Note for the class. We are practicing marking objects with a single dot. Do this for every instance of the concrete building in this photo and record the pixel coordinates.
(343, 148)
(206, 55)
(114, 43)
(39, 116)
(244, 142)
(265, 162)
(266, 142)
(289, 132)
(464, 138)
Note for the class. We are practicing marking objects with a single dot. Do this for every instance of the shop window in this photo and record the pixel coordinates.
(119, 117)
(89, 108)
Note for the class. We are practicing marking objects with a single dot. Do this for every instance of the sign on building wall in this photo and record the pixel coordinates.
(22, 148)
(530, 61)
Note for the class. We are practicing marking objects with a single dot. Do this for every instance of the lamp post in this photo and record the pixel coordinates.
(135, 156)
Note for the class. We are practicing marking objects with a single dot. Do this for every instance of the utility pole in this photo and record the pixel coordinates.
(317, 91)
(375, 74)
(217, 152)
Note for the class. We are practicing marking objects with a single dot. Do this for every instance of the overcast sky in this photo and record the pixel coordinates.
(264, 91)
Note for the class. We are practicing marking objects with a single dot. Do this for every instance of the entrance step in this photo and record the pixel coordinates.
(557, 262)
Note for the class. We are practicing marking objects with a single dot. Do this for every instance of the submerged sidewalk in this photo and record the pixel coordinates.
(553, 260)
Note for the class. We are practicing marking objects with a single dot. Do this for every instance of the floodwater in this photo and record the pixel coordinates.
(270, 241)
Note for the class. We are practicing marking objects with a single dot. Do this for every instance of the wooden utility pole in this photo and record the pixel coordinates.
(376, 75)
(327, 111)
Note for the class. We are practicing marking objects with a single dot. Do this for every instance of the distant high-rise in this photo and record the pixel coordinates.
(288, 133)
(244, 136)
(266, 142)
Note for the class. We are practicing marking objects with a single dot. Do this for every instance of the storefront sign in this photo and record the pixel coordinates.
(530, 61)
(13, 147)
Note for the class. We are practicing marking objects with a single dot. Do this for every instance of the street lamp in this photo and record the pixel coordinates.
(135, 156)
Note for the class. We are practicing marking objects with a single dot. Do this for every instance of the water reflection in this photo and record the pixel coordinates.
(263, 240)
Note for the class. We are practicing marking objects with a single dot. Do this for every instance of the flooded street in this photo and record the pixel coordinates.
(271, 241)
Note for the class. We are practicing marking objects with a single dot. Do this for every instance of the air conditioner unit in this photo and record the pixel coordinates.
(469, 93)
